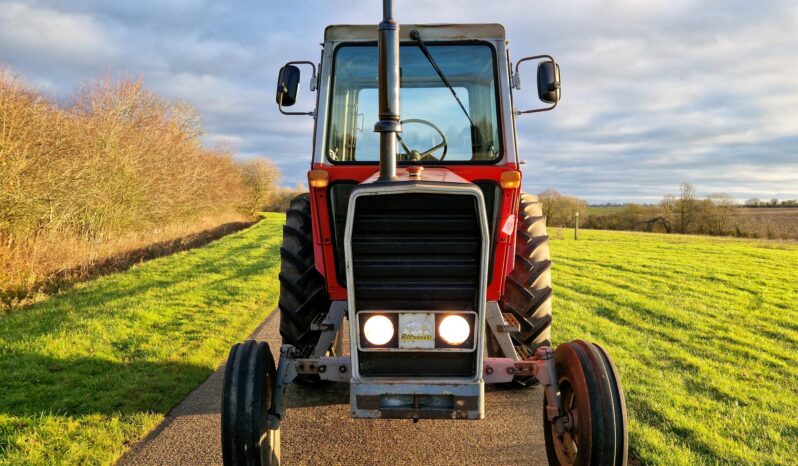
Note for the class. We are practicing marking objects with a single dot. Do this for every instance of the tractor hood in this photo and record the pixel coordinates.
(417, 174)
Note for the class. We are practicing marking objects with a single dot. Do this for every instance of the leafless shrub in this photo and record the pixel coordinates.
(260, 176)
(81, 180)
(281, 199)
(559, 210)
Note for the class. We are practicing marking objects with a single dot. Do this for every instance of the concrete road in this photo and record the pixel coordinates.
(318, 430)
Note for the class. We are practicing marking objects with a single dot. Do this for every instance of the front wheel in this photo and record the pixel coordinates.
(592, 399)
(249, 377)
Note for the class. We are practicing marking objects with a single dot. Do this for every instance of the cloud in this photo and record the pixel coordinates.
(43, 34)
(655, 92)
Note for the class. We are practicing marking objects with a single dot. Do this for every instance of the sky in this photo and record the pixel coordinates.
(655, 93)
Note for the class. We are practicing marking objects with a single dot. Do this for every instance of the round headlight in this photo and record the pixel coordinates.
(378, 330)
(454, 329)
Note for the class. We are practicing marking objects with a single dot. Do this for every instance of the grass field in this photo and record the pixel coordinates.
(705, 334)
(86, 372)
(704, 331)
(605, 210)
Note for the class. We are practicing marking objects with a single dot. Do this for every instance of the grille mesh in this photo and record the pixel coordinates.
(416, 251)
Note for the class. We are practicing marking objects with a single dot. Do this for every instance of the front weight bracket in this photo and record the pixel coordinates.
(290, 364)
(547, 376)
(286, 374)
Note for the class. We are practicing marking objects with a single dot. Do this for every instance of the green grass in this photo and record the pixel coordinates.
(704, 332)
(89, 371)
(605, 210)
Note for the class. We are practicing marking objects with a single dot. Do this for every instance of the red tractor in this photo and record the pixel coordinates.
(418, 235)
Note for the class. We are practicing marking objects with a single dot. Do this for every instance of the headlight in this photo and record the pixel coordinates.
(454, 329)
(378, 330)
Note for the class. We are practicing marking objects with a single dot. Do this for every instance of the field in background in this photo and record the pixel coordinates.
(89, 371)
(779, 223)
(771, 222)
(604, 210)
(704, 332)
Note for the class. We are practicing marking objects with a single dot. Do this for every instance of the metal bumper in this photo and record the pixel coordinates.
(409, 398)
(422, 400)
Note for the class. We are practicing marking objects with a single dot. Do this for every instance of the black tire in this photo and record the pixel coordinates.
(527, 292)
(249, 377)
(619, 405)
(590, 389)
(303, 293)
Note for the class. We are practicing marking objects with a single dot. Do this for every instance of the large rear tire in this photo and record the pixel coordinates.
(592, 396)
(303, 294)
(249, 377)
(527, 291)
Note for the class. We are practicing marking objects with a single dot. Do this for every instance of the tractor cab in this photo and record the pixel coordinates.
(415, 269)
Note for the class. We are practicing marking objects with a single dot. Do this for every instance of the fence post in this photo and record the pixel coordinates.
(576, 226)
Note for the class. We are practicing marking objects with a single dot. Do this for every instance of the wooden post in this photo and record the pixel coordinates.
(576, 226)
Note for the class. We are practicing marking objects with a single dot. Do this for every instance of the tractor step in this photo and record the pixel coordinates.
(510, 324)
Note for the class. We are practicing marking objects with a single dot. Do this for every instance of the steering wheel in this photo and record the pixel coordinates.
(416, 156)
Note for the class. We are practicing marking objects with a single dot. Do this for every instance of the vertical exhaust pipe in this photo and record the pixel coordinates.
(388, 81)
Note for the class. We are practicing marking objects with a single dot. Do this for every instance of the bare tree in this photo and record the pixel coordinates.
(260, 176)
(717, 214)
(686, 206)
(668, 206)
(567, 208)
(549, 200)
(560, 210)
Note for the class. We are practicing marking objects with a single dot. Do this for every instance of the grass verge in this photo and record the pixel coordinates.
(34, 270)
(91, 370)
(704, 332)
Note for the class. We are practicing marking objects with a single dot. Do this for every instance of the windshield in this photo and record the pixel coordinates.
(434, 126)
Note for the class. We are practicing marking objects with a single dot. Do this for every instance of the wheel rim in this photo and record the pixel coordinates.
(566, 444)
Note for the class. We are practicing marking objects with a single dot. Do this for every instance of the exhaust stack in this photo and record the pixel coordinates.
(388, 81)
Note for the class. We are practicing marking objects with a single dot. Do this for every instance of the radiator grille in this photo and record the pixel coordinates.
(418, 251)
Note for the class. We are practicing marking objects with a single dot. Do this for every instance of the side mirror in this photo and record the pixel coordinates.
(549, 82)
(549, 89)
(287, 85)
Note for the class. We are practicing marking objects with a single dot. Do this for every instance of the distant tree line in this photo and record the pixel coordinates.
(683, 213)
(755, 202)
(561, 210)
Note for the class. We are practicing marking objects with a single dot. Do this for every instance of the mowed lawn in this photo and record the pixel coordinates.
(704, 332)
(85, 373)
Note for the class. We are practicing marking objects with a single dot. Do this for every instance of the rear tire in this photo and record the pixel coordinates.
(303, 293)
(249, 377)
(527, 291)
(592, 393)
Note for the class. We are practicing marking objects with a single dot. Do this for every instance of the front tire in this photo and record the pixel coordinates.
(592, 396)
(249, 378)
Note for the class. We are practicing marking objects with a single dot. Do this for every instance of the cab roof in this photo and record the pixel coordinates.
(429, 32)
